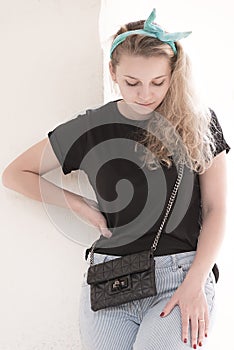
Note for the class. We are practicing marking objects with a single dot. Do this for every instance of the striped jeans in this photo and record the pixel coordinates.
(137, 325)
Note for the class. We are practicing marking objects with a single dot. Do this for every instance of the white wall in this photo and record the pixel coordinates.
(50, 69)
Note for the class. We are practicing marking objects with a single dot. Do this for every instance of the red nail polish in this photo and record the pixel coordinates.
(200, 343)
(194, 346)
(206, 335)
(162, 314)
(185, 340)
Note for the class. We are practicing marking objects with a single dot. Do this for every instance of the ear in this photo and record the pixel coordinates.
(112, 73)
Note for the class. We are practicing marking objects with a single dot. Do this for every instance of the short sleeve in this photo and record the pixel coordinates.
(68, 141)
(217, 132)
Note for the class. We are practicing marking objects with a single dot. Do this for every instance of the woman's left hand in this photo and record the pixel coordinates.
(192, 301)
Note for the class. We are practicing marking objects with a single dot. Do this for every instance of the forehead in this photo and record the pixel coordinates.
(143, 67)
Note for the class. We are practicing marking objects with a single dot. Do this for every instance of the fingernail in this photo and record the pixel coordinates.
(162, 314)
(200, 343)
(194, 346)
(185, 340)
(108, 234)
(206, 335)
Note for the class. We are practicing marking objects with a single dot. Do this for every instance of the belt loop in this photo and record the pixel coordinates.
(174, 262)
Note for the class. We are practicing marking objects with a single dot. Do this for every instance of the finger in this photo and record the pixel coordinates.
(194, 331)
(207, 322)
(201, 329)
(185, 326)
(169, 306)
(105, 232)
(206, 329)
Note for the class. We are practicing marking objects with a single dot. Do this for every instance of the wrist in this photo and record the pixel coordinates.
(196, 276)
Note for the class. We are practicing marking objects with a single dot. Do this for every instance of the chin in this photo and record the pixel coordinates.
(143, 109)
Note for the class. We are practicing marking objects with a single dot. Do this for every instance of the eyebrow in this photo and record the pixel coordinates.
(129, 76)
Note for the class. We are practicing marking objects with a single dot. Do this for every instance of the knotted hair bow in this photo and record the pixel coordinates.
(153, 30)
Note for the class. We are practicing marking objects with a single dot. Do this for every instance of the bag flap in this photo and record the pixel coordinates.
(125, 265)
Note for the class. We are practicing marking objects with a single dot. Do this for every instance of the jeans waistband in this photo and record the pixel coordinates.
(160, 261)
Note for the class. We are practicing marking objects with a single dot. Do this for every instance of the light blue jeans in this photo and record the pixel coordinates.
(137, 325)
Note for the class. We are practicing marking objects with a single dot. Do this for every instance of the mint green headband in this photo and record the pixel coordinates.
(153, 30)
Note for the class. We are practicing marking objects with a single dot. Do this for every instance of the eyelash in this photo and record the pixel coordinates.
(137, 83)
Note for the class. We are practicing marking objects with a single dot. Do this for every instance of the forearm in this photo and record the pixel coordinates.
(209, 243)
(36, 187)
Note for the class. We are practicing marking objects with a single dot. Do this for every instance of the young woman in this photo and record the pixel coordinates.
(130, 149)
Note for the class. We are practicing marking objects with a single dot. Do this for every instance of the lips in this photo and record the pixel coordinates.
(145, 104)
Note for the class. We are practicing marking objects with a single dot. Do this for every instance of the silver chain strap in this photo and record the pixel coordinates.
(170, 203)
(92, 253)
(168, 209)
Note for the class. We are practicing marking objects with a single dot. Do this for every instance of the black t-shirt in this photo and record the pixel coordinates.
(132, 198)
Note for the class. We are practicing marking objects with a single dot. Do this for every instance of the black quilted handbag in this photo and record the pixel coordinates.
(121, 280)
(130, 277)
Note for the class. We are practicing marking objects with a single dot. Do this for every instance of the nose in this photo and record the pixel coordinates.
(145, 93)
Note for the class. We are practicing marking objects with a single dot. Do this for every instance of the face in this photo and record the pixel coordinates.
(143, 81)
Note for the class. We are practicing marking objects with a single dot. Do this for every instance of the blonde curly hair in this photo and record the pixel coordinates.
(182, 124)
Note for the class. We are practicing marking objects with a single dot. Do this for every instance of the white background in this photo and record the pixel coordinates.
(51, 68)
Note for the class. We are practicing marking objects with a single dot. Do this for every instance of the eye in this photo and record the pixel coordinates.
(130, 84)
(159, 83)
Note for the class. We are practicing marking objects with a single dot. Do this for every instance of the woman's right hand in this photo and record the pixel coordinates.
(89, 210)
